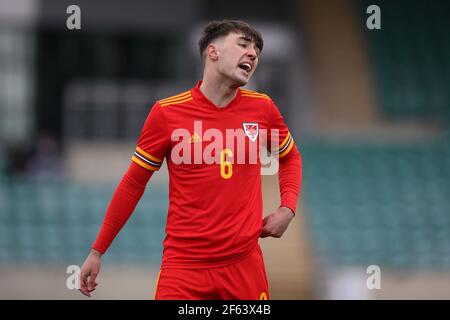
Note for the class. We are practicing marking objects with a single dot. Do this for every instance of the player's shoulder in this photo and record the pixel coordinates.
(254, 95)
(176, 99)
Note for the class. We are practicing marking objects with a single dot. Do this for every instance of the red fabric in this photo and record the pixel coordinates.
(249, 281)
(124, 200)
(215, 214)
(290, 179)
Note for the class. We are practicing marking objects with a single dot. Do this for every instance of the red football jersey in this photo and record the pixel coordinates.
(213, 157)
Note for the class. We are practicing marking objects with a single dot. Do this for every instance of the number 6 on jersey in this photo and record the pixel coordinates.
(226, 167)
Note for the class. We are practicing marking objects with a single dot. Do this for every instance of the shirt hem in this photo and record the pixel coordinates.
(203, 265)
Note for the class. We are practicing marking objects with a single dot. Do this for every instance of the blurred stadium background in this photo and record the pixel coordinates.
(369, 110)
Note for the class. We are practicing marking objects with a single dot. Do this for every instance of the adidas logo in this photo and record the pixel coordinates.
(194, 138)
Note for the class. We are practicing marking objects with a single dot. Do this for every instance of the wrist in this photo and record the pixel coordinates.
(288, 210)
(96, 253)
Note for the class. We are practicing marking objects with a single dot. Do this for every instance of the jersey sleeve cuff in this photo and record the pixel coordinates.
(289, 200)
(99, 247)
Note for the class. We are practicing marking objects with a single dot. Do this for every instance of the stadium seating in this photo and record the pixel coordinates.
(56, 222)
(411, 65)
(379, 204)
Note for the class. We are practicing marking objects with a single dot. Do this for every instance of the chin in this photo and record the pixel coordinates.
(241, 81)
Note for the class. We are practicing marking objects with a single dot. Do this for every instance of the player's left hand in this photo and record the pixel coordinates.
(276, 223)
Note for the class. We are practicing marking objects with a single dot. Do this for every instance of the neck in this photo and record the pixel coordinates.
(219, 92)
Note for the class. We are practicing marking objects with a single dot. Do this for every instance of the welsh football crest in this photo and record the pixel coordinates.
(251, 130)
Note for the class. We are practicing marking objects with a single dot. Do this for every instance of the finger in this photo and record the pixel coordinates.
(264, 233)
(91, 280)
(84, 275)
(83, 285)
(90, 288)
(85, 292)
(83, 279)
(93, 287)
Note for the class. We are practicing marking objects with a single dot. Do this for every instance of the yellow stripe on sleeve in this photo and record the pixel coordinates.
(178, 96)
(175, 102)
(143, 164)
(284, 141)
(285, 152)
(250, 92)
(142, 152)
(255, 96)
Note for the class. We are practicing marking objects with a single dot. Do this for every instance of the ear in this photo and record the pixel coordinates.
(212, 52)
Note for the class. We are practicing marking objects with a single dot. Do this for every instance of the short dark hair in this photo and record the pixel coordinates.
(216, 29)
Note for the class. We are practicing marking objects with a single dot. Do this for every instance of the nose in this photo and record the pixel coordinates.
(251, 53)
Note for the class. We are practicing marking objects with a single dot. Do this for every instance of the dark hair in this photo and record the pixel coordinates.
(216, 29)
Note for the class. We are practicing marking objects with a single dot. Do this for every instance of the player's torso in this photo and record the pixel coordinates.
(225, 141)
(213, 159)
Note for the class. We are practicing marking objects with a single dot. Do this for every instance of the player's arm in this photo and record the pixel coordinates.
(124, 201)
(147, 158)
(290, 177)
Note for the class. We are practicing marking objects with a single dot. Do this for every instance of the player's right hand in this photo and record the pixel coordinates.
(89, 272)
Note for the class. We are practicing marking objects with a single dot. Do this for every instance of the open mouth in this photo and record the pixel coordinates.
(247, 67)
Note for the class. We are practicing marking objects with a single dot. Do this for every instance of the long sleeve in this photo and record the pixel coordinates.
(282, 146)
(290, 179)
(123, 202)
(148, 157)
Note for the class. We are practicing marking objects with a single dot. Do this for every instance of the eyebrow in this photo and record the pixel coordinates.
(250, 40)
(245, 38)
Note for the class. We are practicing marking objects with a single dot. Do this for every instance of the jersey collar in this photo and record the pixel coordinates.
(204, 101)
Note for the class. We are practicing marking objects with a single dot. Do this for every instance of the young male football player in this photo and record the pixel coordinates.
(211, 137)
